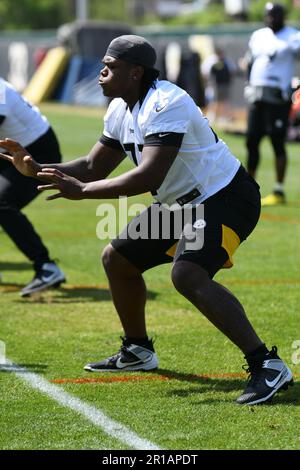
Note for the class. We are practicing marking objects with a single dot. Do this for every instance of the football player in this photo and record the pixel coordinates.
(181, 160)
(272, 53)
(23, 122)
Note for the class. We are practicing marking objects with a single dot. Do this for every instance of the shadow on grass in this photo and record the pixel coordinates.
(210, 383)
(14, 266)
(10, 286)
(68, 295)
(294, 204)
(24, 368)
(90, 294)
(225, 384)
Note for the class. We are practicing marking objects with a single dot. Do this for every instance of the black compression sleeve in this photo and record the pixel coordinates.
(164, 139)
(115, 144)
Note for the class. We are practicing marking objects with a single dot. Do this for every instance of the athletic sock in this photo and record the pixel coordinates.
(262, 349)
(144, 342)
(37, 265)
(278, 188)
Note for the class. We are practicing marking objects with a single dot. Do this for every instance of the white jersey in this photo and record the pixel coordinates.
(23, 122)
(273, 57)
(203, 161)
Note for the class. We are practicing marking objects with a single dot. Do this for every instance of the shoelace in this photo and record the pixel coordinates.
(253, 372)
(273, 351)
(254, 366)
(123, 349)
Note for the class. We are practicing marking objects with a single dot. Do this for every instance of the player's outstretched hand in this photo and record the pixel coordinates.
(67, 186)
(19, 157)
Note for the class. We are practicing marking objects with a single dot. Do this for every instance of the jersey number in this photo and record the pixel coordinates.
(131, 148)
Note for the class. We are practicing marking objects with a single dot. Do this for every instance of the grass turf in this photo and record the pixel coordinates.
(189, 403)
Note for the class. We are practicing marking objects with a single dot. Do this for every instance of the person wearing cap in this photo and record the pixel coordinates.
(19, 120)
(181, 160)
(271, 55)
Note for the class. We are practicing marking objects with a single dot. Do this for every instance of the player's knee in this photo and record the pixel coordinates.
(109, 257)
(180, 278)
(191, 282)
(116, 265)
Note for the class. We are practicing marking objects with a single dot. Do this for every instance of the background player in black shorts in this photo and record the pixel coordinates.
(272, 51)
(19, 120)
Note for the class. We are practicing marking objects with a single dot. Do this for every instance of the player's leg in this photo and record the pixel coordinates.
(278, 124)
(281, 159)
(193, 270)
(124, 262)
(230, 217)
(255, 130)
(128, 291)
(16, 192)
(216, 302)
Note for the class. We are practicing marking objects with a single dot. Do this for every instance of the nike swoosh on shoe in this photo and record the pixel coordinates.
(48, 278)
(122, 365)
(274, 382)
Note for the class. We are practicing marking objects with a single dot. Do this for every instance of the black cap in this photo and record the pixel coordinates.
(133, 49)
(274, 9)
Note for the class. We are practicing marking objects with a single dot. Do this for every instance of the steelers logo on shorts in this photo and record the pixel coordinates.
(199, 224)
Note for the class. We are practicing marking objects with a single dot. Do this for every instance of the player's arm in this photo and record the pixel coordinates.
(98, 164)
(148, 176)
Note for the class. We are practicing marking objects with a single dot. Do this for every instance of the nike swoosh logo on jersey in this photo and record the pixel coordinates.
(160, 108)
(164, 135)
(274, 382)
(122, 365)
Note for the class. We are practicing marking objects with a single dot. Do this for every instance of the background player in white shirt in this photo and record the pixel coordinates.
(180, 160)
(272, 52)
(22, 122)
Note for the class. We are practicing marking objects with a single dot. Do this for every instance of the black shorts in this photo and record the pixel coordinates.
(17, 190)
(268, 119)
(229, 217)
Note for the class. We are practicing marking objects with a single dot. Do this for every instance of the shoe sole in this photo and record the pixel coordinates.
(55, 283)
(273, 205)
(278, 203)
(120, 370)
(138, 367)
(284, 384)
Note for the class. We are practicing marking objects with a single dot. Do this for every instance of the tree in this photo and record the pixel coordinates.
(34, 14)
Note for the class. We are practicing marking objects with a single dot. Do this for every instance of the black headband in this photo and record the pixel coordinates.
(133, 49)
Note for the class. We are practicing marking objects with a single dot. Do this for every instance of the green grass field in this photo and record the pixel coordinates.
(190, 402)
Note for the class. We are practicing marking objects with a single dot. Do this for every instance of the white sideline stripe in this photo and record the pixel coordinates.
(96, 416)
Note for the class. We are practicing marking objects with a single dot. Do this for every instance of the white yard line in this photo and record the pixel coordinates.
(94, 415)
